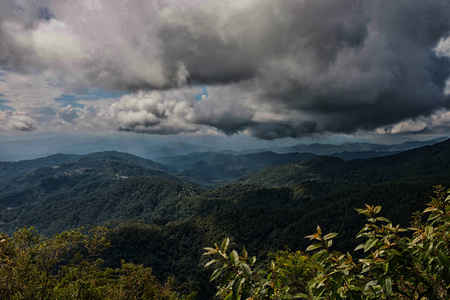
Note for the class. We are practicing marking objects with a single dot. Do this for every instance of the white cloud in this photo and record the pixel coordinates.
(438, 121)
(10, 120)
(155, 112)
(29, 91)
(443, 47)
(272, 68)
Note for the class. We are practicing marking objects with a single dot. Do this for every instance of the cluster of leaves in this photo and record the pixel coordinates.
(239, 279)
(67, 266)
(397, 263)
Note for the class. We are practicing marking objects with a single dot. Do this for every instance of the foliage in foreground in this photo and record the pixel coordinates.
(396, 263)
(67, 267)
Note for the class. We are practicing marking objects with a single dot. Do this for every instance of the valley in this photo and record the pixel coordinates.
(162, 213)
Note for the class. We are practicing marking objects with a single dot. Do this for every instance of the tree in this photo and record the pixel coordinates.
(67, 266)
(396, 263)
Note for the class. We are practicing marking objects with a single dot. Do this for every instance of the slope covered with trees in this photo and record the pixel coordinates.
(430, 162)
(161, 219)
(396, 263)
(67, 266)
(226, 166)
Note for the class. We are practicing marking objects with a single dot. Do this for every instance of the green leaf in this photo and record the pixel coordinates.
(330, 236)
(363, 211)
(226, 278)
(430, 209)
(360, 246)
(369, 244)
(396, 252)
(319, 267)
(244, 253)
(216, 274)
(301, 296)
(386, 267)
(321, 279)
(443, 258)
(224, 246)
(383, 219)
(246, 269)
(252, 260)
(388, 285)
(210, 262)
(377, 210)
(313, 247)
(234, 257)
(433, 216)
(237, 287)
(228, 297)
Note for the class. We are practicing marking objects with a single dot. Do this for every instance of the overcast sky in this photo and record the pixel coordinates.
(268, 69)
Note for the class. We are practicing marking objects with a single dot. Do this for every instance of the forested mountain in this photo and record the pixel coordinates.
(72, 176)
(13, 169)
(162, 218)
(332, 150)
(227, 166)
(426, 162)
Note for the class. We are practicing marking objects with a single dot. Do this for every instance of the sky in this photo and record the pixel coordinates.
(262, 69)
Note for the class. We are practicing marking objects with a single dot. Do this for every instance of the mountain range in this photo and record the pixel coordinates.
(162, 213)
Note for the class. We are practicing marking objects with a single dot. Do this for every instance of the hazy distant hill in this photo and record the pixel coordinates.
(429, 161)
(98, 187)
(12, 169)
(361, 154)
(68, 176)
(143, 146)
(227, 166)
(174, 149)
(331, 150)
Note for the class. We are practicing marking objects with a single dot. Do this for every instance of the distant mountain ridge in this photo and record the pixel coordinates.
(65, 174)
(228, 166)
(86, 184)
(330, 149)
(12, 169)
(429, 161)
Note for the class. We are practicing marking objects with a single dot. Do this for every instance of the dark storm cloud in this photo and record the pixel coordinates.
(275, 130)
(20, 16)
(393, 75)
(345, 65)
(290, 68)
(222, 42)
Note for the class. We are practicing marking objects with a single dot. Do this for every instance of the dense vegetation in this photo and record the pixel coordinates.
(67, 266)
(397, 263)
(160, 218)
(222, 166)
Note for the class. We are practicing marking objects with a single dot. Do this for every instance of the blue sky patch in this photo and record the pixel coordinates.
(92, 94)
(5, 107)
(96, 94)
(198, 97)
(66, 100)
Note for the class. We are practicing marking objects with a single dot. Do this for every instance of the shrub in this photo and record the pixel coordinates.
(67, 266)
(396, 263)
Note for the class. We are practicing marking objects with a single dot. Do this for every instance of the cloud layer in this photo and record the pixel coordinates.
(272, 69)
